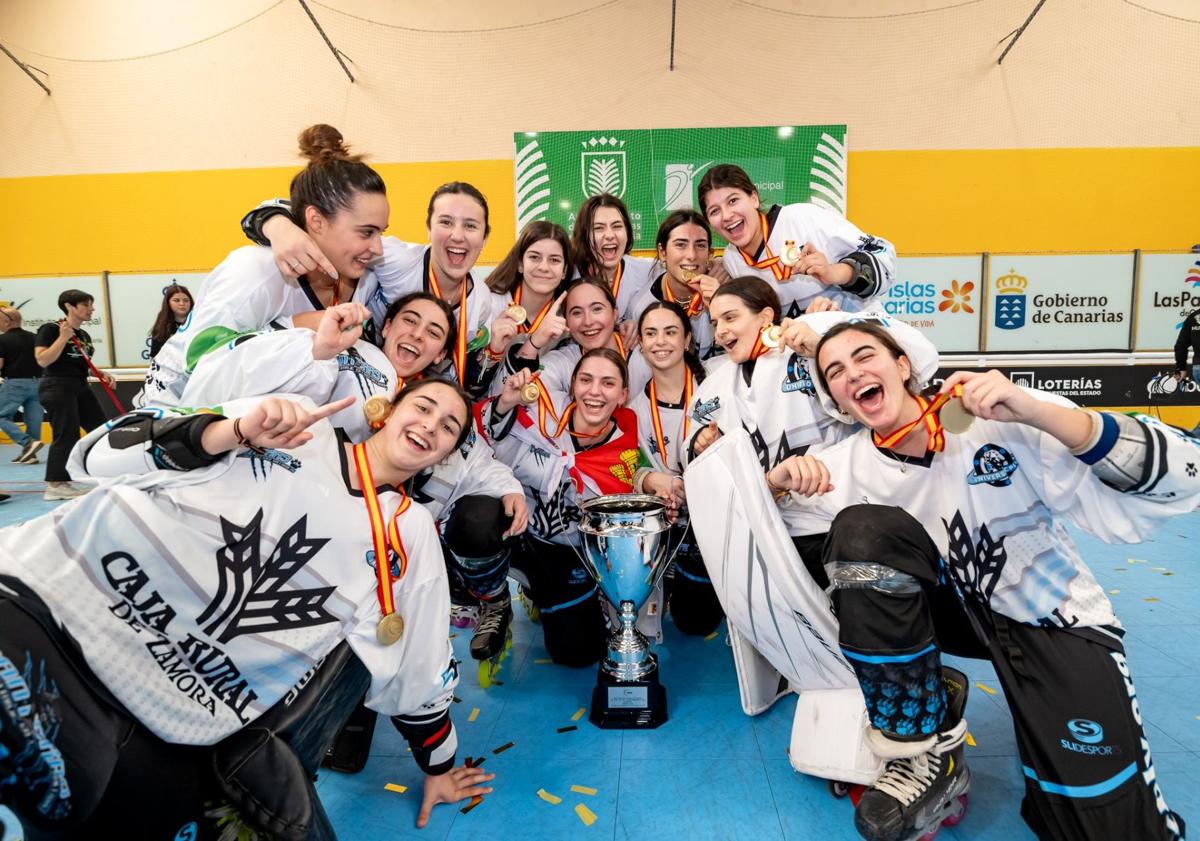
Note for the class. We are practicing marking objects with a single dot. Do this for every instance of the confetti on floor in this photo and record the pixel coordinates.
(1136, 561)
(474, 714)
(986, 689)
(578, 714)
(553, 799)
(475, 801)
(453, 636)
(543, 661)
(583, 790)
(457, 700)
(1168, 573)
(1114, 592)
(1159, 569)
(711, 637)
(396, 787)
(585, 814)
(970, 739)
(1150, 599)
(567, 729)
(503, 748)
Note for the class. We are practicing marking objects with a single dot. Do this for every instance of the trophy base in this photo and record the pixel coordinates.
(628, 704)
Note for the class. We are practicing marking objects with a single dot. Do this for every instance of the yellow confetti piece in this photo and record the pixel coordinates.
(970, 739)
(578, 714)
(396, 787)
(1136, 561)
(986, 689)
(474, 714)
(543, 661)
(553, 799)
(1150, 599)
(1159, 569)
(711, 637)
(1114, 592)
(585, 814)
(583, 790)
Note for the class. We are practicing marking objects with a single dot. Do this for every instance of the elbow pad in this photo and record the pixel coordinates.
(253, 221)
(138, 442)
(865, 282)
(432, 738)
(1124, 453)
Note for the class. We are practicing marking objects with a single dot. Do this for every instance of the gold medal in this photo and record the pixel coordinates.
(376, 409)
(530, 392)
(955, 418)
(390, 629)
(689, 276)
(791, 253)
(517, 313)
(771, 335)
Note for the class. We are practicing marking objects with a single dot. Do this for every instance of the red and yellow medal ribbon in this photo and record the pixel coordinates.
(695, 304)
(380, 534)
(656, 421)
(759, 348)
(620, 344)
(616, 284)
(532, 326)
(543, 403)
(770, 261)
(928, 418)
(460, 341)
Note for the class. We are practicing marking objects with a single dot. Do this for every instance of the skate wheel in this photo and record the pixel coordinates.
(960, 812)
(839, 789)
(487, 673)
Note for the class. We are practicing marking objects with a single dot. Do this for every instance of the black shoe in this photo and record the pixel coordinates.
(29, 452)
(492, 632)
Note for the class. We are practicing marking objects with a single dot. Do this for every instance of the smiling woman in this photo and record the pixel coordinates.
(342, 203)
(196, 658)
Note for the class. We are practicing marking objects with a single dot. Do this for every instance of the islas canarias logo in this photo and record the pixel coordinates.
(1010, 300)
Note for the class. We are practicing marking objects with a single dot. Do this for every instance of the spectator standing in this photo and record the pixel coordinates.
(1189, 340)
(19, 388)
(177, 305)
(63, 350)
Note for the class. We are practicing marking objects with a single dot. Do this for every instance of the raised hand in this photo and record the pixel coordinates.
(339, 328)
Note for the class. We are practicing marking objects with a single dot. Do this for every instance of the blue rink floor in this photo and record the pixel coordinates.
(712, 772)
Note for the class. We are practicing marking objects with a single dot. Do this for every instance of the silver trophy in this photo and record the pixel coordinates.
(625, 547)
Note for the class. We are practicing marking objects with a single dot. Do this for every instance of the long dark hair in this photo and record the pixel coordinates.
(506, 277)
(332, 176)
(404, 300)
(587, 261)
(723, 175)
(690, 357)
(164, 323)
(460, 188)
(605, 353)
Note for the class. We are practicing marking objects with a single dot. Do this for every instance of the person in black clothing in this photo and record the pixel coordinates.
(19, 388)
(62, 349)
(1189, 339)
(177, 305)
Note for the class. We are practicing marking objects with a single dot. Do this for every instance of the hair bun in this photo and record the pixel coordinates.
(321, 142)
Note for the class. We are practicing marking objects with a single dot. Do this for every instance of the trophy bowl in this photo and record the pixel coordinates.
(624, 540)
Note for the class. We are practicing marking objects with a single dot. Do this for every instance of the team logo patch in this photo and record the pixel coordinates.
(261, 462)
(798, 378)
(1088, 732)
(994, 466)
(703, 412)
(393, 562)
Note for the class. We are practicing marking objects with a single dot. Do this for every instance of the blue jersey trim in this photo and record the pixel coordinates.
(888, 658)
(1083, 791)
(1108, 439)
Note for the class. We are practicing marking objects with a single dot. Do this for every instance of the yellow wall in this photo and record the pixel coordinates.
(934, 202)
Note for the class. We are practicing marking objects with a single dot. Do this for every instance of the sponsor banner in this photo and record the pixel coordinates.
(940, 296)
(1168, 290)
(1104, 385)
(37, 299)
(134, 300)
(655, 171)
(1059, 302)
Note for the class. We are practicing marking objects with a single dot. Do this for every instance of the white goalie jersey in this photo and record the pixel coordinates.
(201, 597)
(995, 502)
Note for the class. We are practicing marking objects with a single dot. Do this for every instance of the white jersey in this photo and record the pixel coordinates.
(243, 294)
(546, 465)
(995, 502)
(635, 277)
(702, 329)
(832, 235)
(282, 362)
(773, 399)
(201, 598)
(555, 368)
(676, 426)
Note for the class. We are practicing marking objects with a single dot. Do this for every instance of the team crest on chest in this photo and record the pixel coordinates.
(704, 411)
(798, 378)
(627, 467)
(994, 466)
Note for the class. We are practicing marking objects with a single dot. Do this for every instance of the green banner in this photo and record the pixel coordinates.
(655, 171)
